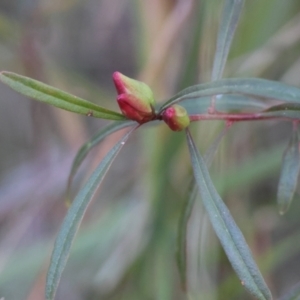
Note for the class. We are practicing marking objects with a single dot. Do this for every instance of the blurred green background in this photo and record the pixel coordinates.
(126, 246)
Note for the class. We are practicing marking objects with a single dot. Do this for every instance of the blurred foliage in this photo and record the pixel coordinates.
(126, 246)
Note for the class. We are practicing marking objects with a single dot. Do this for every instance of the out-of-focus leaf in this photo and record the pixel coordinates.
(229, 234)
(293, 294)
(189, 69)
(289, 174)
(213, 148)
(73, 218)
(95, 140)
(252, 171)
(187, 210)
(256, 87)
(182, 235)
(224, 103)
(185, 216)
(230, 16)
(50, 95)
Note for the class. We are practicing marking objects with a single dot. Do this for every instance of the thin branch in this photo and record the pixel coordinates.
(237, 117)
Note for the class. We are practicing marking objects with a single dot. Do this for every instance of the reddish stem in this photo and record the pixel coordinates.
(234, 117)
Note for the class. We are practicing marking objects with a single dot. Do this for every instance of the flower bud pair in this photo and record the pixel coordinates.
(135, 98)
(136, 102)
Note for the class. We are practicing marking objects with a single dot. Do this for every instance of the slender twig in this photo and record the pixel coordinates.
(236, 117)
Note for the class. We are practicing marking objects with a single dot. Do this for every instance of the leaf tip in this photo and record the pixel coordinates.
(283, 208)
(4, 73)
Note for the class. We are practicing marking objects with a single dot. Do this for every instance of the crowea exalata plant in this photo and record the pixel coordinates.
(137, 105)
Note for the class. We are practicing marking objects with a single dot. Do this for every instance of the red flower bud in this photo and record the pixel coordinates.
(131, 108)
(176, 117)
(135, 98)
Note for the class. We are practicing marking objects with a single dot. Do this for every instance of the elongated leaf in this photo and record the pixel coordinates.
(73, 218)
(95, 140)
(248, 86)
(187, 210)
(289, 174)
(50, 95)
(293, 294)
(284, 107)
(230, 16)
(229, 234)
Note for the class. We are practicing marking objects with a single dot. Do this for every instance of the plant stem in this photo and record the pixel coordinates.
(236, 117)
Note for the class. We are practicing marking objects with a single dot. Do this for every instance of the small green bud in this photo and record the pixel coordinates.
(176, 117)
(135, 98)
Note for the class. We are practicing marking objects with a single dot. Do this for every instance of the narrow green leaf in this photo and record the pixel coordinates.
(229, 234)
(285, 110)
(230, 16)
(187, 210)
(50, 95)
(289, 174)
(256, 87)
(73, 219)
(293, 294)
(288, 110)
(87, 147)
(284, 107)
